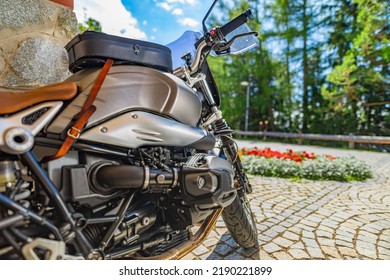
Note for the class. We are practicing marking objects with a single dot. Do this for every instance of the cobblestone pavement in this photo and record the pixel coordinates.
(313, 219)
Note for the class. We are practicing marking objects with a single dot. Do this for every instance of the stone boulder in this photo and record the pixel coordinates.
(32, 36)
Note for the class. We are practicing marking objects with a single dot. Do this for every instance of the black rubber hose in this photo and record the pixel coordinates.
(121, 176)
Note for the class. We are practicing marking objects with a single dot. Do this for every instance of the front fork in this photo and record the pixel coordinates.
(224, 132)
(230, 149)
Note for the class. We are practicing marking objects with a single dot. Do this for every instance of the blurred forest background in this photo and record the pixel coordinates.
(322, 67)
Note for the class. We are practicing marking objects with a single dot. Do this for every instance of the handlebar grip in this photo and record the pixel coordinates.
(236, 22)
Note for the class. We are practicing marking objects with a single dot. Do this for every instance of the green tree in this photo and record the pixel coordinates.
(89, 24)
(359, 86)
(265, 75)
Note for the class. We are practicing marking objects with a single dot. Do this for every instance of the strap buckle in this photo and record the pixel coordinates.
(74, 132)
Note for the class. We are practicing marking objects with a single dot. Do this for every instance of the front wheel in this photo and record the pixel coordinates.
(239, 221)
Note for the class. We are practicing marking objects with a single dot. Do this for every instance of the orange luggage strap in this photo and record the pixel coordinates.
(82, 118)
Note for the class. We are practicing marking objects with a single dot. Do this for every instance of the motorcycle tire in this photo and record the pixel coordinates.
(239, 221)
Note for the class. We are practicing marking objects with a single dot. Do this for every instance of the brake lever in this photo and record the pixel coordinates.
(222, 48)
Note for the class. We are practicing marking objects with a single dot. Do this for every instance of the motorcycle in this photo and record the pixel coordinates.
(128, 156)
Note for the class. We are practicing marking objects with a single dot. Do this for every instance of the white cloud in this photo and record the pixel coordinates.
(191, 2)
(145, 22)
(112, 15)
(177, 12)
(154, 29)
(165, 6)
(189, 22)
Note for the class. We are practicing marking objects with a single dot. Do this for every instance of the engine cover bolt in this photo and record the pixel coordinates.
(103, 129)
(134, 116)
(160, 178)
(201, 182)
(145, 221)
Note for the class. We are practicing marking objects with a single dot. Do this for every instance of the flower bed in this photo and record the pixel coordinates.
(299, 165)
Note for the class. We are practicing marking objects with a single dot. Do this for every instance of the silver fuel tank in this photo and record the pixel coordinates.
(128, 88)
(137, 106)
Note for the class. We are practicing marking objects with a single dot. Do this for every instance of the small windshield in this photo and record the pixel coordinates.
(242, 44)
(182, 46)
(186, 44)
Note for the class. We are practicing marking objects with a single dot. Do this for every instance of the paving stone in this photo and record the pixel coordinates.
(223, 249)
(346, 232)
(279, 228)
(370, 229)
(255, 256)
(292, 236)
(347, 225)
(315, 253)
(325, 228)
(220, 224)
(356, 222)
(369, 253)
(345, 238)
(313, 207)
(287, 212)
(298, 245)
(366, 249)
(308, 228)
(314, 218)
(384, 244)
(310, 242)
(247, 252)
(213, 234)
(286, 224)
(265, 256)
(367, 236)
(261, 227)
(210, 242)
(309, 223)
(325, 212)
(293, 219)
(231, 243)
(214, 256)
(344, 243)
(271, 233)
(308, 234)
(235, 256)
(298, 254)
(271, 247)
(221, 231)
(331, 252)
(343, 215)
(348, 252)
(330, 223)
(200, 250)
(263, 237)
(285, 243)
(322, 233)
(282, 256)
(225, 237)
(189, 256)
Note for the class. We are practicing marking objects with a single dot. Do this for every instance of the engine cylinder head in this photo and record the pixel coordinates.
(8, 173)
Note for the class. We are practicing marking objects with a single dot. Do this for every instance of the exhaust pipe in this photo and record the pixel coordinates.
(109, 176)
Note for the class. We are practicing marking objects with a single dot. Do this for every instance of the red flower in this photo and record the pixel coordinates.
(288, 155)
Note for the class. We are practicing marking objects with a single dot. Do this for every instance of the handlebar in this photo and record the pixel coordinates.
(220, 33)
(236, 22)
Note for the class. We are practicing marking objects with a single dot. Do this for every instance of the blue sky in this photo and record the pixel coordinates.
(160, 21)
